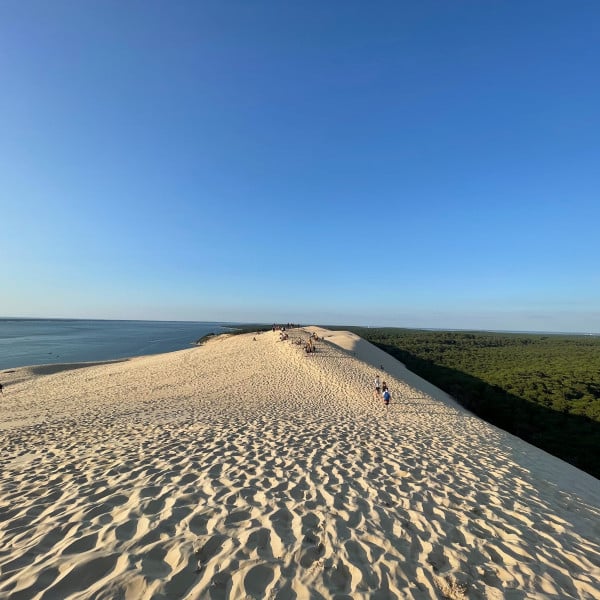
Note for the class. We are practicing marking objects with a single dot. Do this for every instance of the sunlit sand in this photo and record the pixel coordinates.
(247, 468)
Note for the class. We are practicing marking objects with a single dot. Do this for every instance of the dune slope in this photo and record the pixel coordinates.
(246, 468)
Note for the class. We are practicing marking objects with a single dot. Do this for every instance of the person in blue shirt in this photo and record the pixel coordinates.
(386, 395)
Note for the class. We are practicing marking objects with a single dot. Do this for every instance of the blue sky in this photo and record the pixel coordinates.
(426, 164)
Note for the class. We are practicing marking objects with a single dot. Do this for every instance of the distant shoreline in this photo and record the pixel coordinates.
(247, 324)
(30, 342)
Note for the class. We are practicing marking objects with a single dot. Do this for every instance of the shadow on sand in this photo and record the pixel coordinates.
(573, 438)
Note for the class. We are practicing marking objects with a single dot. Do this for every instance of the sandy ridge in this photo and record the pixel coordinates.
(246, 468)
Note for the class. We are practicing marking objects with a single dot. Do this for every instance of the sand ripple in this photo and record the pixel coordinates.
(247, 469)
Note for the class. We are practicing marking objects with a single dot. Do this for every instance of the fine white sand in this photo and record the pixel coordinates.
(245, 468)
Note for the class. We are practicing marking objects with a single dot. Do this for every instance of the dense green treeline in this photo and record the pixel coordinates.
(543, 388)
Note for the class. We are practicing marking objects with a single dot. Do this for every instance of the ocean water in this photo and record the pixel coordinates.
(25, 342)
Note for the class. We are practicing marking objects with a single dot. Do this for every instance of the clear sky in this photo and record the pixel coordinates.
(426, 164)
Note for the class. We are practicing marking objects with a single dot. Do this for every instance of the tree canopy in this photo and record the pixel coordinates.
(543, 388)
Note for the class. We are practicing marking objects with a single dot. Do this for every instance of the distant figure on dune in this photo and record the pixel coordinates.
(386, 397)
(377, 386)
(1, 389)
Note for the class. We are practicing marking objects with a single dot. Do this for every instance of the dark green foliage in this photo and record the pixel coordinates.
(250, 328)
(238, 329)
(543, 388)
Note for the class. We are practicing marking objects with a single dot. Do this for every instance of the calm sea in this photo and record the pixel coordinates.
(25, 342)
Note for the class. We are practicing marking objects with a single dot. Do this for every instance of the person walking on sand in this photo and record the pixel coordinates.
(386, 396)
(377, 392)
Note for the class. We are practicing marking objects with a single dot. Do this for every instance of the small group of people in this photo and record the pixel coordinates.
(283, 327)
(309, 346)
(382, 391)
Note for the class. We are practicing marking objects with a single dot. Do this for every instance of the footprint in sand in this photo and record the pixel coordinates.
(313, 548)
(282, 525)
(237, 516)
(82, 544)
(210, 549)
(357, 557)
(261, 542)
(437, 559)
(313, 552)
(220, 586)
(257, 580)
(339, 578)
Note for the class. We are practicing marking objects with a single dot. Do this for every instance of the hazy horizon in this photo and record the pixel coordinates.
(315, 323)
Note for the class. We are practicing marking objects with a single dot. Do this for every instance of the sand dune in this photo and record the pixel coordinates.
(248, 469)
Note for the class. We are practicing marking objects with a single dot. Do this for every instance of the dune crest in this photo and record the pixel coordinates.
(247, 468)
